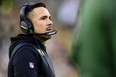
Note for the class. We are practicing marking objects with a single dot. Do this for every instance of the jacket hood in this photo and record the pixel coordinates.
(22, 38)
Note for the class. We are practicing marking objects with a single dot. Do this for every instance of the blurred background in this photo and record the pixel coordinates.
(64, 15)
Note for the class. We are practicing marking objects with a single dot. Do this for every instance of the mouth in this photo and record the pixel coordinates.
(48, 29)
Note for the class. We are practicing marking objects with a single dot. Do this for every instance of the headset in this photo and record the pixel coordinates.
(26, 24)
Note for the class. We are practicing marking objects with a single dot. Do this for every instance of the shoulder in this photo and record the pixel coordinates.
(26, 54)
(26, 50)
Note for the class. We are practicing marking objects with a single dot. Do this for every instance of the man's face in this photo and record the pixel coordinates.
(42, 20)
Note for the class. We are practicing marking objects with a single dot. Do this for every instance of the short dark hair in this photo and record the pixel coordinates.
(31, 6)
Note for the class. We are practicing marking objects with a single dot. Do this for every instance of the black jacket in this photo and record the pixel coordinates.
(27, 62)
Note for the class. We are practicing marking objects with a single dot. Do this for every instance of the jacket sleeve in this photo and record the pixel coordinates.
(26, 63)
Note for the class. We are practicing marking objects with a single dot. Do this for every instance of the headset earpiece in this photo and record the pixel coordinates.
(24, 27)
(25, 23)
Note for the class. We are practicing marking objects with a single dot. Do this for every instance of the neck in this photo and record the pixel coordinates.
(42, 38)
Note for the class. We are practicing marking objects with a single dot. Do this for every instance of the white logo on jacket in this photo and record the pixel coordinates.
(31, 64)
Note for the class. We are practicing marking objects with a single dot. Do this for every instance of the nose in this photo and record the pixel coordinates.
(50, 22)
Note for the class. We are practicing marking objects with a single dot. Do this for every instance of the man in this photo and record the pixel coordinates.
(94, 47)
(27, 53)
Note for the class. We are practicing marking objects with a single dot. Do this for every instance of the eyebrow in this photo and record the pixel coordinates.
(45, 16)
